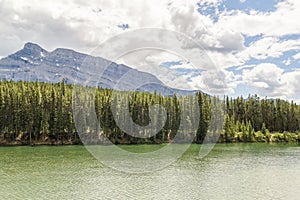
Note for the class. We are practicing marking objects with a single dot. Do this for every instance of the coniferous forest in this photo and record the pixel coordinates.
(42, 113)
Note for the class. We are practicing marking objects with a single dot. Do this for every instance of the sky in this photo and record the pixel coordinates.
(254, 44)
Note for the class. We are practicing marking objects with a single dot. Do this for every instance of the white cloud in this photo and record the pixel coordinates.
(213, 81)
(287, 62)
(224, 60)
(297, 56)
(268, 47)
(76, 24)
(150, 61)
(244, 67)
(82, 25)
(283, 21)
(211, 3)
(292, 83)
(264, 76)
(184, 65)
(220, 82)
(270, 80)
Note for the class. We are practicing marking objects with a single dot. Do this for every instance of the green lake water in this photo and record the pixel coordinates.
(230, 171)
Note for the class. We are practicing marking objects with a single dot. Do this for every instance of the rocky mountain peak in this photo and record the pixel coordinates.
(30, 53)
(35, 63)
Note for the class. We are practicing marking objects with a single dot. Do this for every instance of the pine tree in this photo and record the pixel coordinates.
(250, 131)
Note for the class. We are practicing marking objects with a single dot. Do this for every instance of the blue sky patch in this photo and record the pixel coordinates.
(170, 63)
(249, 40)
(247, 5)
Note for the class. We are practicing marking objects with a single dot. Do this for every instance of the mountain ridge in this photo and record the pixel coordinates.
(36, 63)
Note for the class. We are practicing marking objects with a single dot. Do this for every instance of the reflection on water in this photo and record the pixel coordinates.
(235, 171)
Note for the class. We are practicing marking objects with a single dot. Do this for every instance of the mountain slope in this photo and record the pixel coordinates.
(35, 63)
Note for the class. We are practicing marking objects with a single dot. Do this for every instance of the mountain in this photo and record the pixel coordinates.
(35, 63)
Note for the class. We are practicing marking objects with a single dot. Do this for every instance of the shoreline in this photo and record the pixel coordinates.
(137, 144)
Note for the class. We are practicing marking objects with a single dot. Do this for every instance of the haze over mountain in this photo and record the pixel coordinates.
(35, 63)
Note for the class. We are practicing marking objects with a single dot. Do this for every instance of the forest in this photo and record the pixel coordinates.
(43, 113)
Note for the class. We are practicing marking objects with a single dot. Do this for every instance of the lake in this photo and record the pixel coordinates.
(230, 171)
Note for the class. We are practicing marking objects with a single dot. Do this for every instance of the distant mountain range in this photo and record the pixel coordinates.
(35, 63)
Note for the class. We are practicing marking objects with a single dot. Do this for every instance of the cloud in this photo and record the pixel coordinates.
(287, 62)
(74, 24)
(216, 82)
(82, 25)
(264, 76)
(283, 21)
(210, 2)
(244, 67)
(296, 56)
(184, 66)
(150, 61)
(292, 83)
(270, 80)
(268, 47)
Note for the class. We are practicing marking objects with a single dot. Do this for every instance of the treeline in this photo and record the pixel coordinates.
(36, 112)
(261, 120)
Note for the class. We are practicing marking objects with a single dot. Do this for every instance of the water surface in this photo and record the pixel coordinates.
(230, 171)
